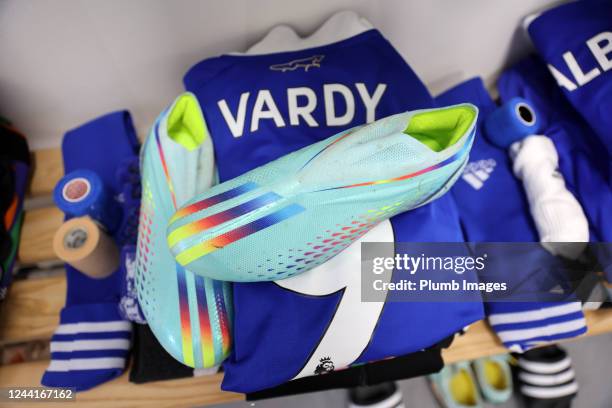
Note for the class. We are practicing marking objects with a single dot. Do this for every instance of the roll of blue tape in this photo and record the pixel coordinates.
(511, 122)
(81, 193)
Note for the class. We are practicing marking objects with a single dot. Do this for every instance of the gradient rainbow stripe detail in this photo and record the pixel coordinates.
(202, 224)
(199, 250)
(186, 336)
(458, 155)
(348, 133)
(218, 342)
(224, 323)
(214, 200)
(206, 335)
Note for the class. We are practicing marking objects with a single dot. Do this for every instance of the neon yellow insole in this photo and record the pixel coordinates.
(442, 128)
(186, 125)
(495, 375)
(462, 388)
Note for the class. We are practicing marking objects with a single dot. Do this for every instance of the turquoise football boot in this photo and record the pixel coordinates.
(190, 315)
(292, 214)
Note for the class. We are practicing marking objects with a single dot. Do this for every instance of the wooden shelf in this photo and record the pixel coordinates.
(39, 226)
(48, 168)
(186, 392)
(31, 309)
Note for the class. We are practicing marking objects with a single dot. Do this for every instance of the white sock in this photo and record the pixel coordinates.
(558, 216)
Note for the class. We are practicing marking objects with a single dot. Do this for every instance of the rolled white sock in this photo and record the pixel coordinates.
(559, 218)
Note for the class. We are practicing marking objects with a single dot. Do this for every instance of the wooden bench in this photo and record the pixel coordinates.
(31, 312)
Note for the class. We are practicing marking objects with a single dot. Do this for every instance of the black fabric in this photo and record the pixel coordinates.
(549, 354)
(5, 245)
(565, 402)
(14, 145)
(408, 366)
(7, 191)
(151, 361)
(372, 394)
(7, 186)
